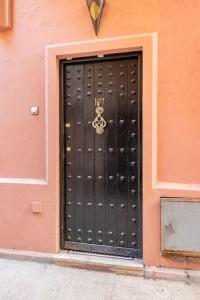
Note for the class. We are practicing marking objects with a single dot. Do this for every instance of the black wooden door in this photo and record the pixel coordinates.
(101, 173)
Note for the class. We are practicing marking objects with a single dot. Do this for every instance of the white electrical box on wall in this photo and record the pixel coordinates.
(180, 226)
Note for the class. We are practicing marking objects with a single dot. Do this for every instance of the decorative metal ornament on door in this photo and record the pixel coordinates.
(101, 155)
(99, 123)
(96, 9)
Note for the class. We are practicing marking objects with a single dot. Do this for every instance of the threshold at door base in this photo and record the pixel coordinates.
(87, 261)
(99, 262)
(118, 265)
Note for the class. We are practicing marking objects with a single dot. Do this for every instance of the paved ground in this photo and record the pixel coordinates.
(33, 281)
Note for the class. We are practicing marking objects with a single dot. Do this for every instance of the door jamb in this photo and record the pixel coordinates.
(90, 59)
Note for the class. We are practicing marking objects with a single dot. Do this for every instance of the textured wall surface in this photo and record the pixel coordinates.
(37, 23)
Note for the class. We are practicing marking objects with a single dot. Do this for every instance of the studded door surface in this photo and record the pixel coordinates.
(101, 173)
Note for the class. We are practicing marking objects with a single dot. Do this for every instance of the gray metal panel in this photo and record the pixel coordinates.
(180, 226)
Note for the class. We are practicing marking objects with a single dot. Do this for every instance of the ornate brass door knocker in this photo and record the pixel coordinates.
(99, 123)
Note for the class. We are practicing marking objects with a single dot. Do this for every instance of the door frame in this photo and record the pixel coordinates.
(86, 247)
(148, 44)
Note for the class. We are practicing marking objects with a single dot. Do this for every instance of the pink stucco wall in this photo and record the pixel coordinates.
(23, 156)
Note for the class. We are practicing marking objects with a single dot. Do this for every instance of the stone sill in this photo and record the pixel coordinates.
(95, 262)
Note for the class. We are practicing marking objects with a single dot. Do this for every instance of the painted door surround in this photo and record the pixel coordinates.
(147, 43)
